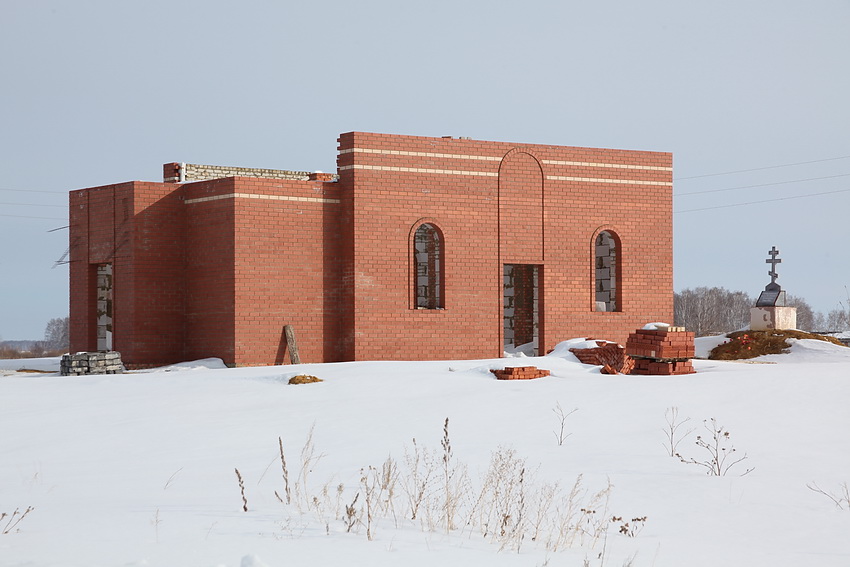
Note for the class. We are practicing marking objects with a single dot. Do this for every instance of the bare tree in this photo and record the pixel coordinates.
(838, 319)
(806, 318)
(819, 322)
(56, 334)
(714, 310)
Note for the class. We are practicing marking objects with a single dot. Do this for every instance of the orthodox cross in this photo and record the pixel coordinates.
(773, 260)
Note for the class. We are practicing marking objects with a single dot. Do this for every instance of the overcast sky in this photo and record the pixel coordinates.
(98, 92)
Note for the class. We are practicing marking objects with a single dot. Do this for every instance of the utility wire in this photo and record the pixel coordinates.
(760, 185)
(33, 191)
(761, 168)
(28, 217)
(32, 205)
(764, 201)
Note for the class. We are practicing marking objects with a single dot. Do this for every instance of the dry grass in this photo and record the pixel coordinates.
(750, 344)
(431, 487)
(15, 518)
(304, 379)
(242, 490)
(7, 353)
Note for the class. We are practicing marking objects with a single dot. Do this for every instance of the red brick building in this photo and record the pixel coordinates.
(419, 248)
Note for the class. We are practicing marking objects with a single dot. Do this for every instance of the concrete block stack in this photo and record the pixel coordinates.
(102, 362)
(661, 351)
(520, 373)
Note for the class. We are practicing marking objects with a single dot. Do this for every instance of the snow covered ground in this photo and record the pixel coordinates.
(138, 469)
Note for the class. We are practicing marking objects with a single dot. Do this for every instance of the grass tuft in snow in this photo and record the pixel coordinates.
(718, 446)
(242, 490)
(672, 431)
(561, 433)
(285, 475)
(15, 518)
(841, 498)
(431, 488)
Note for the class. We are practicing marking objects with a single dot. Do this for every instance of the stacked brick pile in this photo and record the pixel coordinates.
(520, 373)
(108, 362)
(664, 352)
(610, 356)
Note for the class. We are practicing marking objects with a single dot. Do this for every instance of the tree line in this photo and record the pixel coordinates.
(717, 310)
(56, 341)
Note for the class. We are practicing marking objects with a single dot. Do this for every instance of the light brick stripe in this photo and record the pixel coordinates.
(494, 174)
(420, 170)
(418, 154)
(492, 158)
(616, 181)
(611, 165)
(261, 197)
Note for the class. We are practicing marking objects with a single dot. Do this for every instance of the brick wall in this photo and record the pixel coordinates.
(283, 249)
(218, 267)
(135, 227)
(500, 203)
(395, 186)
(210, 273)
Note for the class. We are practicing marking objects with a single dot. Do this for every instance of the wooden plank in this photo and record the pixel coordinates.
(291, 345)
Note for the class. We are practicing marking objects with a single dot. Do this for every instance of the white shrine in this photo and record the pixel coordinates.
(771, 310)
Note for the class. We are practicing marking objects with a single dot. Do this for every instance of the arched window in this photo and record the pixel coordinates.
(606, 277)
(428, 267)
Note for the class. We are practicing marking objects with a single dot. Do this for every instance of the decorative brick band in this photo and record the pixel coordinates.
(419, 170)
(495, 174)
(602, 180)
(261, 197)
(418, 154)
(499, 158)
(611, 165)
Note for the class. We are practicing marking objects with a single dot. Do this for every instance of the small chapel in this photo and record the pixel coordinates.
(416, 248)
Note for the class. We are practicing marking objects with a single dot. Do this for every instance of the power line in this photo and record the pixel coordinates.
(32, 205)
(761, 185)
(33, 191)
(764, 201)
(761, 168)
(28, 217)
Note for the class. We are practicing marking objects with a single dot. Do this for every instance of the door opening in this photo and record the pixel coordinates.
(104, 307)
(521, 308)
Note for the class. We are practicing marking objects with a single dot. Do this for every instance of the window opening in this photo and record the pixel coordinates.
(605, 265)
(428, 255)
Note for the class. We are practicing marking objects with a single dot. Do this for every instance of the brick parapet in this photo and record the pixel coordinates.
(175, 172)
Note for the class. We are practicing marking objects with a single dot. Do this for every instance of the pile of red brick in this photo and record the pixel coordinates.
(520, 373)
(610, 356)
(665, 352)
